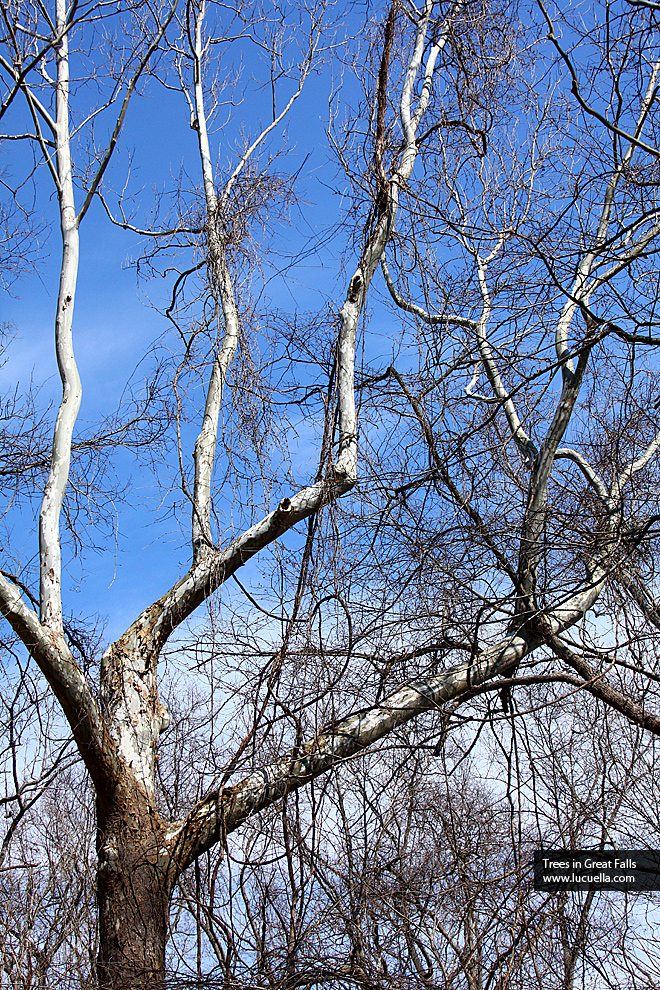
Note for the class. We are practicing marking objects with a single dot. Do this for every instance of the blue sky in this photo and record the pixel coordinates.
(115, 320)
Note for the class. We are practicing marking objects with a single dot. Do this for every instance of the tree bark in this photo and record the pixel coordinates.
(133, 889)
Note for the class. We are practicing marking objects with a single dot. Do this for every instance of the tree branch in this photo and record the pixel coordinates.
(434, 319)
(51, 653)
(122, 115)
(222, 813)
(596, 685)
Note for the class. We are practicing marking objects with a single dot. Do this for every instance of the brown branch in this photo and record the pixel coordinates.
(598, 686)
(221, 813)
(461, 501)
(379, 149)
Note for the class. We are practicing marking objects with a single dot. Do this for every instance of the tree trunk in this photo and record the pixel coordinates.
(133, 889)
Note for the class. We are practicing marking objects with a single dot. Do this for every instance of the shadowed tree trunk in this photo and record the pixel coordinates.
(133, 888)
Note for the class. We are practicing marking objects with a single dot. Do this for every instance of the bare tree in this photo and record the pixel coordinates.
(504, 529)
(47, 894)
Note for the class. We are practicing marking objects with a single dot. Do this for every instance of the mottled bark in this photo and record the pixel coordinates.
(133, 890)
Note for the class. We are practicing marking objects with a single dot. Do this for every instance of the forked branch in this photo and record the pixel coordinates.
(209, 570)
(221, 813)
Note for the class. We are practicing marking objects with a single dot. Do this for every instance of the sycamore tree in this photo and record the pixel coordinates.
(489, 524)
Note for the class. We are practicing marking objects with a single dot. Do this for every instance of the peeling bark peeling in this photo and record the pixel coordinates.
(133, 710)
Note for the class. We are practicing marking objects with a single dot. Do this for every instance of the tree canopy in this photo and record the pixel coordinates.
(374, 482)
